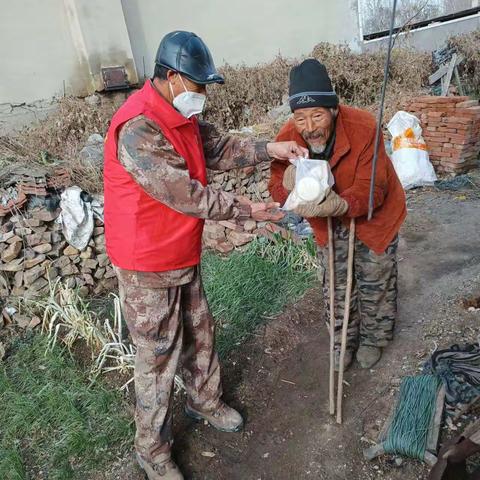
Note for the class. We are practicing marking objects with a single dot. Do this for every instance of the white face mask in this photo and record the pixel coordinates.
(188, 103)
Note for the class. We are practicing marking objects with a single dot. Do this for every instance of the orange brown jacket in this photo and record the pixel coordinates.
(351, 164)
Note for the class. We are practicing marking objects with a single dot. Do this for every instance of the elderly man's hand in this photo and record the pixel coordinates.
(286, 150)
(332, 206)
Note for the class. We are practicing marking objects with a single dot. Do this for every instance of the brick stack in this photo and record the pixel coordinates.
(33, 252)
(451, 129)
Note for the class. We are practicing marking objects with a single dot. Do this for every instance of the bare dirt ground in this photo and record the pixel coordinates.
(279, 380)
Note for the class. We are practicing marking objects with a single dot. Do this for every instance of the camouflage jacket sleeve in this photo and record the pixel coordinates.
(163, 174)
(226, 152)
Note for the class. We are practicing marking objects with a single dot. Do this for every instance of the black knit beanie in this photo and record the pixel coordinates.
(310, 86)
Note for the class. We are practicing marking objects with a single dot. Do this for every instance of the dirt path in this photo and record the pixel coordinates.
(280, 379)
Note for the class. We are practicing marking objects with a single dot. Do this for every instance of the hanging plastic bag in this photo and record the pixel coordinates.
(313, 182)
(410, 155)
(77, 215)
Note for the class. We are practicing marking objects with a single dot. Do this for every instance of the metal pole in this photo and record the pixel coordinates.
(380, 112)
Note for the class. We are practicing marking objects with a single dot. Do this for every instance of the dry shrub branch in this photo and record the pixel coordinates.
(250, 92)
(468, 46)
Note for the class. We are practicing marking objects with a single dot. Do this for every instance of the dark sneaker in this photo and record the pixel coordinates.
(368, 356)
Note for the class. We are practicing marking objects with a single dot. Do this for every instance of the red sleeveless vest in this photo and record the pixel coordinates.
(142, 233)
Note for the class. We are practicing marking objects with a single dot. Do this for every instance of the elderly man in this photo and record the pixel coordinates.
(344, 136)
(156, 200)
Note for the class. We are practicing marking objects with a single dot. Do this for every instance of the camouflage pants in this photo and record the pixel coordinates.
(168, 326)
(374, 294)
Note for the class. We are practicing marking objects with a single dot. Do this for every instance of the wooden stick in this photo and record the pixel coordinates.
(346, 317)
(448, 76)
(459, 81)
(436, 423)
(331, 286)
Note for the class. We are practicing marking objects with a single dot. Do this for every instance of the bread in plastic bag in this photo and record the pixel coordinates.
(313, 182)
(409, 152)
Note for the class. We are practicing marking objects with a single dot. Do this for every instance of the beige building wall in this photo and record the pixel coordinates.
(36, 50)
(49, 48)
(242, 31)
(101, 39)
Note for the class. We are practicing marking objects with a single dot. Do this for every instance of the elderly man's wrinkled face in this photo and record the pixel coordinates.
(315, 125)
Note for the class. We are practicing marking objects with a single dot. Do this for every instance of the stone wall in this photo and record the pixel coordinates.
(251, 182)
(451, 129)
(34, 253)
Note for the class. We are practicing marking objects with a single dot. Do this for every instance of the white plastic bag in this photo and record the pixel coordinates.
(77, 217)
(410, 155)
(313, 182)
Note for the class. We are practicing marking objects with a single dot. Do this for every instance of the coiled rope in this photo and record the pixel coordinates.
(415, 408)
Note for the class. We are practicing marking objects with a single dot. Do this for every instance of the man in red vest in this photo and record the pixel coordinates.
(156, 200)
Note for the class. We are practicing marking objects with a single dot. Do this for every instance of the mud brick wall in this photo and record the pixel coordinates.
(34, 252)
(451, 129)
(251, 182)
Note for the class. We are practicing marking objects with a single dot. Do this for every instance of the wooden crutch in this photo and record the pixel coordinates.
(331, 286)
(346, 317)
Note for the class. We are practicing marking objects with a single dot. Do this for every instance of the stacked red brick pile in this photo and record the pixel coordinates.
(451, 129)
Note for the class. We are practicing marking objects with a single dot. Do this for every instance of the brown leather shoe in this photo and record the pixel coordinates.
(224, 418)
(166, 470)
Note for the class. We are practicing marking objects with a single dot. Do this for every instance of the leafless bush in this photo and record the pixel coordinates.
(246, 98)
(467, 45)
(250, 92)
(59, 138)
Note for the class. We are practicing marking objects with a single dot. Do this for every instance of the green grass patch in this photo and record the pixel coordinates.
(249, 285)
(52, 419)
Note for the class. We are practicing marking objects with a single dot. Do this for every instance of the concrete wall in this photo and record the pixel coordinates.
(247, 31)
(429, 38)
(50, 48)
(101, 39)
(36, 50)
